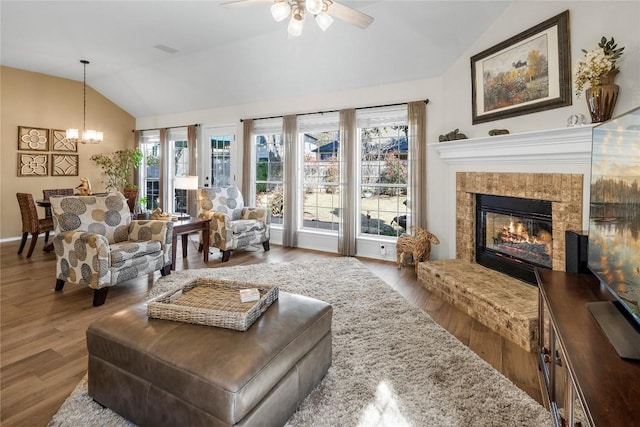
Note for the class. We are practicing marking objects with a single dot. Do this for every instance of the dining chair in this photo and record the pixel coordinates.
(31, 223)
(51, 192)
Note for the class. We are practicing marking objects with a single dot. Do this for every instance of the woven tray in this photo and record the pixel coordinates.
(212, 302)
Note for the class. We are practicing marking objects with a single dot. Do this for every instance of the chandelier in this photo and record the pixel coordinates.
(298, 9)
(89, 136)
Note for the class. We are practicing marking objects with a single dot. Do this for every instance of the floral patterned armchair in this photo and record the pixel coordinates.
(98, 245)
(233, 225)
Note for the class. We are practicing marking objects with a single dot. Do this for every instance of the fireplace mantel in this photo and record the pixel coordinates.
(565, 145)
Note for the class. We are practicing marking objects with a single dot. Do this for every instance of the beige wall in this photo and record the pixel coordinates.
(39, 100)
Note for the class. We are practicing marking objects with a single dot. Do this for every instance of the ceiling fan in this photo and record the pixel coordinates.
(323, 11)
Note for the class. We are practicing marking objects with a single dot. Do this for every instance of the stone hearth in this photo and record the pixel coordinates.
(506, 305)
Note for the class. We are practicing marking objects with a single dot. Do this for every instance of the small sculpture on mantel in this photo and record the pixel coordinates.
(452, 136)
(494, 132)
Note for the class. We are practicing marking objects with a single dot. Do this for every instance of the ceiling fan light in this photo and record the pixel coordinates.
(324, 21)
(295, 26)
(314, 6)
(280, 10)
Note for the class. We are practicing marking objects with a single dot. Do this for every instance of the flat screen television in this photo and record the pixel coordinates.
(614, 229)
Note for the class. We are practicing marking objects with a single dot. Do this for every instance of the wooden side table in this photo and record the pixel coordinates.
(183, 228)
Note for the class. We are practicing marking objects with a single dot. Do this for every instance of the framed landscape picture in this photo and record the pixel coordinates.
(527, 73)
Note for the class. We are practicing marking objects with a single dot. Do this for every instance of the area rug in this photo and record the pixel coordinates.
(392, 364)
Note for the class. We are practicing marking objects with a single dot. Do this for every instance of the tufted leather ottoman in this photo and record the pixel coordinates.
(164, 373)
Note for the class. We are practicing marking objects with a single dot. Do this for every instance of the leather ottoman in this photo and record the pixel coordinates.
(164, 373)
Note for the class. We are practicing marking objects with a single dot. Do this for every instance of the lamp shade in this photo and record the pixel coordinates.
(324, 21)
(314, 6)
(186, 182)
(295, 26)
(280, 10)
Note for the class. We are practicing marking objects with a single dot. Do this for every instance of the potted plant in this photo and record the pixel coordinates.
(118, 167)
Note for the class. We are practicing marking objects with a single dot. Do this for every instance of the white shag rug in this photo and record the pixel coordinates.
(392, 364)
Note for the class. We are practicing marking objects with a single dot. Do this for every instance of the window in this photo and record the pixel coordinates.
(150, 187)
(180, 158)
(220, 160)
(384, 163)
(269, 159)
(319, 137)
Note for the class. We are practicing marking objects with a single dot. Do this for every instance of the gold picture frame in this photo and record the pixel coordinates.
(64, 164)
(59, 141)
(33, 139)
(33, 164)
(527, 73)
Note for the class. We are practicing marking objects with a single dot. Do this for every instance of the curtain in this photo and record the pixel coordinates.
(137, 135)
(164, 165)
(417, 188)
(289, 134)
(192, 145)
(247, 157)
(348, 183)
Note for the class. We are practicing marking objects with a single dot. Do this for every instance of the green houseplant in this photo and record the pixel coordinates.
(118, 167)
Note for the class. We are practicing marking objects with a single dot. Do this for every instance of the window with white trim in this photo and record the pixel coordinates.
(384, 163)
(269, 167)
(319, 139)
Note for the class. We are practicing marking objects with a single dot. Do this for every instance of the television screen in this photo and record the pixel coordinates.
(614, 223)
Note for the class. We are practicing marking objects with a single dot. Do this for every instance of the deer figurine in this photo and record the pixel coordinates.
(418, 246)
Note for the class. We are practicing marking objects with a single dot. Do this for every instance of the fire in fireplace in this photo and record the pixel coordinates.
(514, 235)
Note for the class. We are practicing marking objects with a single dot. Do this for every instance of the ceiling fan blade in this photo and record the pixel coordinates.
(349, 15)
(237, 3)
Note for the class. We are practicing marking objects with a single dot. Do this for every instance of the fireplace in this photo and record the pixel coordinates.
(562, 191)
(514, 235)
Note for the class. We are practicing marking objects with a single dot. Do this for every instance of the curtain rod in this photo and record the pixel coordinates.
(167, 127)
(426, 101)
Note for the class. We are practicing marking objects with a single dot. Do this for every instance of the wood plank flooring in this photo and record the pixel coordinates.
(42, 332)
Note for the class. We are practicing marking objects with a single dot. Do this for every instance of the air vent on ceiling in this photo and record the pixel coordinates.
(166, 49)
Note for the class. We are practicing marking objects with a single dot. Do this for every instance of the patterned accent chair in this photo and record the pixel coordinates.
(98, 245)
(233, 225)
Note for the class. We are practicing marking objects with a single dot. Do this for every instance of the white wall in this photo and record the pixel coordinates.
(450, 95)
(588, 22)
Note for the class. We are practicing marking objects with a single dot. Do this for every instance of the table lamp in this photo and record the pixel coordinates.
(185, 182)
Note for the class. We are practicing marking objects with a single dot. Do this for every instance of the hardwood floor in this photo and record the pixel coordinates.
(42, 332)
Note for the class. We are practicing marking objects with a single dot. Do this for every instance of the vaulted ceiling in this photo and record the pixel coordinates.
(232, 55)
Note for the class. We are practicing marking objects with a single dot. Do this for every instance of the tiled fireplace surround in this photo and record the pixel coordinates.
(564, 191)
(504, 304)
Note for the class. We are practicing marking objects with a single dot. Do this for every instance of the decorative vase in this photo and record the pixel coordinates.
(601, 99)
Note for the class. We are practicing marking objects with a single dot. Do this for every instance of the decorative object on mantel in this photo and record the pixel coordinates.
(527, 73)
(84, 189)
(576, 120)
(598, 69)
(452, 136)
(494, 132)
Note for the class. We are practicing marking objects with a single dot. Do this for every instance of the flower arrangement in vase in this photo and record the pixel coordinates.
(598, 69)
